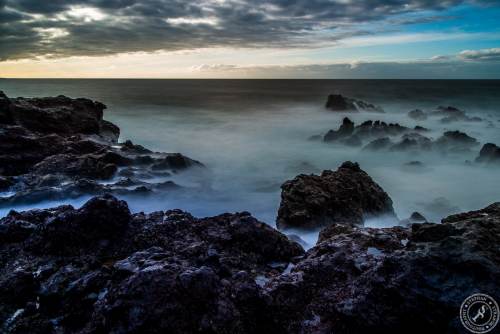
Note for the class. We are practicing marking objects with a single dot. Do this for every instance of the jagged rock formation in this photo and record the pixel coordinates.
(348, 195)
(337, 102)
(395, 137)
(448, 115)
(101, 269)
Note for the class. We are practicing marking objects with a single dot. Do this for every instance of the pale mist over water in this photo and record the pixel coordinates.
(253, 135)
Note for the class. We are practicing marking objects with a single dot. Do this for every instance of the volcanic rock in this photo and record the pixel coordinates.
(364, 280)
(348, 195)
(102, 269)
(58, 147)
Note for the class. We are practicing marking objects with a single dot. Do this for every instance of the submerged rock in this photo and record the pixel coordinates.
(337, 102)
(348, 195)
(417, 114)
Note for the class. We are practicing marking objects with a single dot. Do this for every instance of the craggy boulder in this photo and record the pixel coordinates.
(348, 195)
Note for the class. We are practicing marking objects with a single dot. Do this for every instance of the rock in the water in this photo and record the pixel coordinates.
(348, 195)
(490, 153)
(378, 144)
(415, 217)
(455, 141)
(345, 130)
(417, 114)
(337, 102)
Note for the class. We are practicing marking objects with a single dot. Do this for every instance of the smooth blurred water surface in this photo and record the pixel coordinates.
(252, 135)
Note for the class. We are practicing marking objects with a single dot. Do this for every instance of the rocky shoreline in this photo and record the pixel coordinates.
(56, 148)
(102, 269)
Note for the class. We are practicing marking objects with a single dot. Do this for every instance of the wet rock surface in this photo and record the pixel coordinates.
(58, 147)
(347, 195)
(101, 269)
(340, 103)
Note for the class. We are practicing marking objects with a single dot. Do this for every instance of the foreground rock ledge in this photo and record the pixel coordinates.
(101, 269)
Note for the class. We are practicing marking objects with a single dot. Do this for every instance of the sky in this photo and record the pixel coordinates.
(351, 39)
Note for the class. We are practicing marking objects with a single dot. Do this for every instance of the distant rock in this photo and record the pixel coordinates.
(352, 135)
(417, 114)
(337, 102)
(348, 195)
(455, 141)
(379, 144)
(415, 218)
(345, 130)
(490, 153)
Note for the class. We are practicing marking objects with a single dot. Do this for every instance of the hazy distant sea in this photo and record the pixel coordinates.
(252, 135)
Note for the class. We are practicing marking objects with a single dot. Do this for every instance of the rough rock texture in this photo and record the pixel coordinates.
(58, 147)
(490, 153)
(348, 195)
(101, 269)
(395, 280)
(337, 102)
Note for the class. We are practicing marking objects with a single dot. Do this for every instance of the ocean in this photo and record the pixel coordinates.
(253, 135)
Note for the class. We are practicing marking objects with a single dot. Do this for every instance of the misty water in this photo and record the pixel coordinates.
(253, 135)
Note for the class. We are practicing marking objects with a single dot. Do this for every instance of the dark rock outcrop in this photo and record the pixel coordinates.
(337, 102)
(455, 141)
(415, 218)
(102, 269)
(345, 130)
(363, 280)
(52, 148)
(351, 135)
(348, 195)
(490, 153)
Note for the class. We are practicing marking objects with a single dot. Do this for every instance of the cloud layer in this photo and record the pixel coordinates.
(60, 28)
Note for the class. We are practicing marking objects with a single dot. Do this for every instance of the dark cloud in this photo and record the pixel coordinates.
(57, 28)
(450, 69)
(481, 55)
